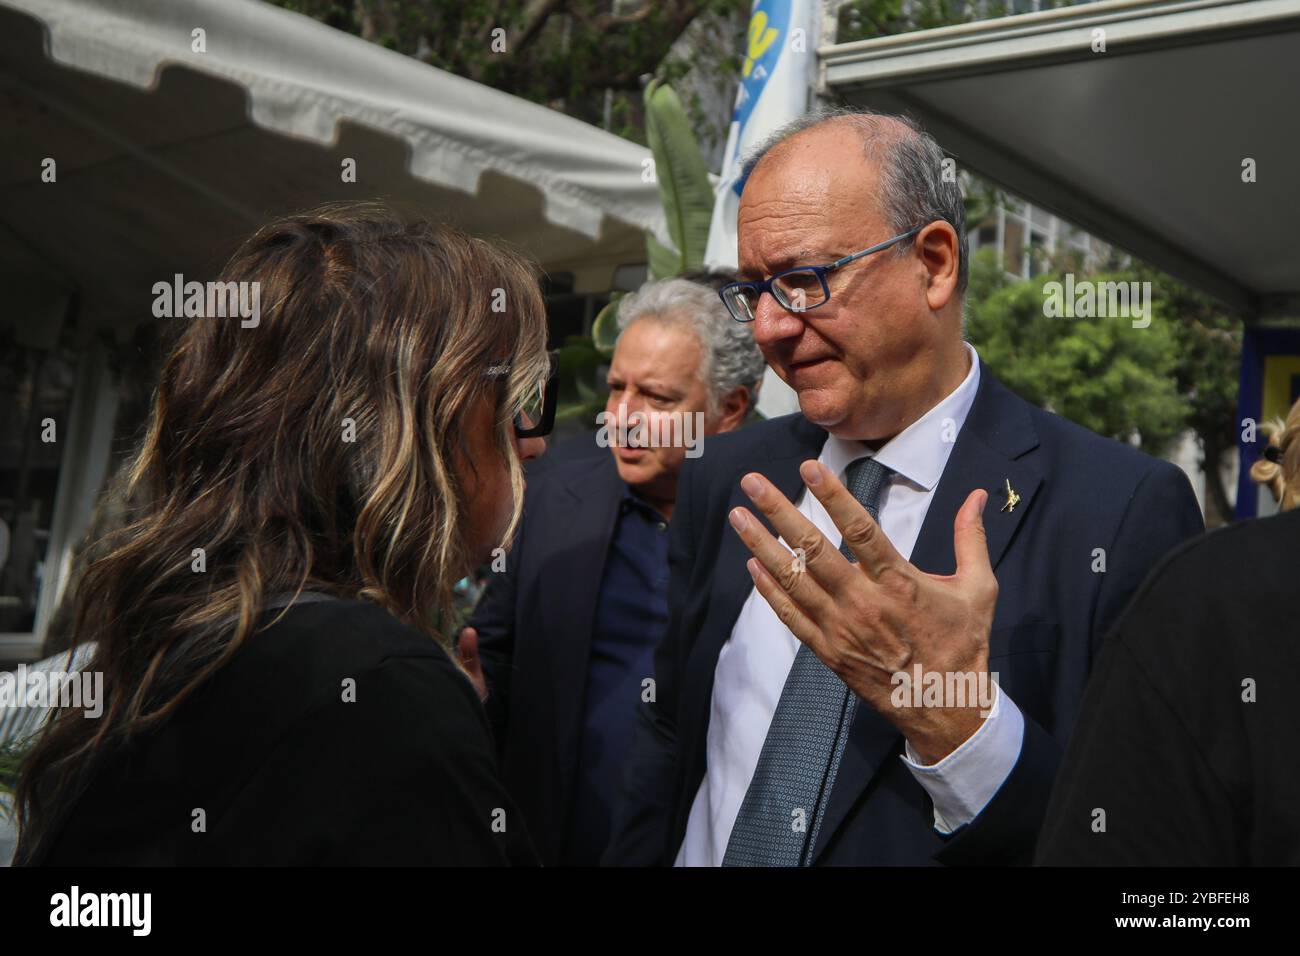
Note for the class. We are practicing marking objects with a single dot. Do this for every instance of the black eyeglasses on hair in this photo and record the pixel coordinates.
(537, 416)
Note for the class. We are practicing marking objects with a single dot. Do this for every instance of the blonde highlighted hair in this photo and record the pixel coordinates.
(316, 451)
(1281, 478)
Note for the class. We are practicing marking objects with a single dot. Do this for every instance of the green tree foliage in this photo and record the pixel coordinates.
(1179, 373)
(1103, 374)
(1208, 344)
(587, 58)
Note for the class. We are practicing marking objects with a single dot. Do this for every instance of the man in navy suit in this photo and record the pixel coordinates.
(778, 734)
(566, 631)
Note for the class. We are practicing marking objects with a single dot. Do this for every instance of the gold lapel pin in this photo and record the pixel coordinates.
(1013, 498)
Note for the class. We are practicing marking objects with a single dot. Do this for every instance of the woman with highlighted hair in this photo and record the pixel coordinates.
(271, 625)
(1278, 468)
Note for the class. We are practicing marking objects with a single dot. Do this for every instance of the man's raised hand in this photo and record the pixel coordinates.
(882, 616)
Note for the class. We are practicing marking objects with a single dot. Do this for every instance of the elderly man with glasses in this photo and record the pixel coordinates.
(863, 663)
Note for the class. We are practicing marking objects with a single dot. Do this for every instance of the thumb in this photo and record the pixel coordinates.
(969, 542)
(467, 647)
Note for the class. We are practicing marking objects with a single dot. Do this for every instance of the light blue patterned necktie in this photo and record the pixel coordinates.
(786, 800)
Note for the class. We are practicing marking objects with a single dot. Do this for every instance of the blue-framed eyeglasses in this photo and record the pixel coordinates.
(796, 290)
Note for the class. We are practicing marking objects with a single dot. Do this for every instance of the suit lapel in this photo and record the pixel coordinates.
(732, 585)
(987, 454)
(979, 467)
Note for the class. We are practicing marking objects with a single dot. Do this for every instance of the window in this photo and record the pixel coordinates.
(985, 236)
(35, 400)
(1013, 246)
(1039, 252)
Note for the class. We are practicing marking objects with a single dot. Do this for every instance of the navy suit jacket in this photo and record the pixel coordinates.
(1078, 493)
(535, 626)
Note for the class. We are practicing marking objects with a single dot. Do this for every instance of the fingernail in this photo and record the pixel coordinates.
(738, 519)
(812, 473)
(752, 567)
(751, 486)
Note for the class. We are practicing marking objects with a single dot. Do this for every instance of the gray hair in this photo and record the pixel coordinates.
(913, 190)
(729, 356)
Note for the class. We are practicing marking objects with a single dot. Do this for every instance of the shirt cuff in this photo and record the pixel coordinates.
(962, 783)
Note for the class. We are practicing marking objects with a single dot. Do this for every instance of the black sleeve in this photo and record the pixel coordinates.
(403, 775)
(1160, 516)
(494, 619)
(1136, 788)
(644, 814)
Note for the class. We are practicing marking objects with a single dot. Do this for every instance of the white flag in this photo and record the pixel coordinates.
(775, 83)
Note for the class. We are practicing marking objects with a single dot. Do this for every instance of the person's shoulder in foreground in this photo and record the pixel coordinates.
(336, 736)
(1186, 751)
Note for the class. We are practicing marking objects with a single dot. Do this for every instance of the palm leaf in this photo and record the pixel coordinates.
(684, 186)
(664, 262)
(604, 328)
(11, 758)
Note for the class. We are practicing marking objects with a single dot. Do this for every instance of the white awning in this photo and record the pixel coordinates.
(1142, 144)
(166, 156)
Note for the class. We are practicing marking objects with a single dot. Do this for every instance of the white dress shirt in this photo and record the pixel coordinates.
(753, 664)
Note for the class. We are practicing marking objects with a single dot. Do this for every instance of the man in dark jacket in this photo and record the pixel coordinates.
(567, 629)
(774, 738)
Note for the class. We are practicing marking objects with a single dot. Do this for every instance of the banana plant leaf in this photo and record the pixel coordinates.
(684, 186)
(604, 328)
(11, 756)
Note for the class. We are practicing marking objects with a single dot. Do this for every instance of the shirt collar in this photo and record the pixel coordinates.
(920, 451)
(631, 501)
